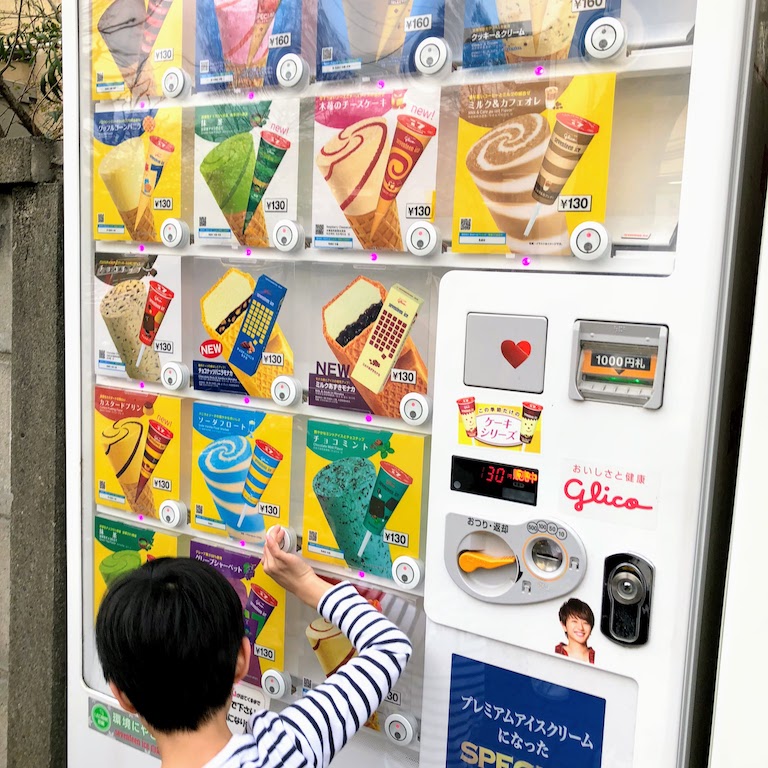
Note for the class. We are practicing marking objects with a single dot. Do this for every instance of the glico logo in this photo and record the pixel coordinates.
(597, 494)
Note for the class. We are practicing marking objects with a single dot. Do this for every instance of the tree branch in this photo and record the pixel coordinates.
(18, 109)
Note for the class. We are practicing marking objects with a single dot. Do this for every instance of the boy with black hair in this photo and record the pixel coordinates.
(172, 644)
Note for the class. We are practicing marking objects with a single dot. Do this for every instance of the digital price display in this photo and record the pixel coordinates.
(494, 480)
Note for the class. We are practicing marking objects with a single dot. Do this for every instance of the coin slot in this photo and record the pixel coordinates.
(545, 557)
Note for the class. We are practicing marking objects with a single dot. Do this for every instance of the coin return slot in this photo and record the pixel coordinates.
(487, 564)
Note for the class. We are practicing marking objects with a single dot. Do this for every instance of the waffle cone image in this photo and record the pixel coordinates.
(141, 81)
(353, 164)
(141, 231)
(347, 321)
(255, 234)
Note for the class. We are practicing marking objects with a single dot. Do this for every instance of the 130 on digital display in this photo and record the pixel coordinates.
(495, 480)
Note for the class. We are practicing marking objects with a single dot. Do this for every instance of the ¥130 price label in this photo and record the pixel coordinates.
(161, 484)
(162, 203)
(164, 54)
(271, 510)
(163, 346)
(272, 358)
(263, 653)
(574, 203)
(395, 537)
(394, 697)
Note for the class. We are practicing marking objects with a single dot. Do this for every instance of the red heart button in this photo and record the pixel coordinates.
(515, 353)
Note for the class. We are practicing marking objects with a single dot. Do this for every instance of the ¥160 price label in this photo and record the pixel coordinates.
(577, 6)
(418, 23)
(395, 537)
(282, 40)
(574, 203)
(263, 653)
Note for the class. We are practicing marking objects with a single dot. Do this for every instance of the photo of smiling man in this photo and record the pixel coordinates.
(577, 620)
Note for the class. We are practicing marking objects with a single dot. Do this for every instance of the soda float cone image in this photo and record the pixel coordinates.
(228, 170)
(408, 144)
(264, 462)
(157, 155)
(224, 465)
(353, 164)
(158, 301)
(157, 10)
(122, 172)
(272, 149)
(158, 438)
(567, 144)
(393, 31)
(391, 485)
(265, 15)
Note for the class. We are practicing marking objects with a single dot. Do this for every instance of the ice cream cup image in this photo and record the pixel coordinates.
(224, 465)
(158, 438)
(353, 164)
(343, 489)
(157, 156)
(468, 415)
(258, 609)
(408, 144)
(391, 485)
(531, 414)
(158, 301)
(264, 462)
(550, 96)
(272, 149)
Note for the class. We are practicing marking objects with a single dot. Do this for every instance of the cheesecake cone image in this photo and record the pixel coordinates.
(393, 31)
(348, 319)
(265, 15)
(408, 144)
(505, 164)
(158, 438)
(122, 444)
(122, 172)
(353, 164)
(228, 171)
(157, 156)
(157, 10)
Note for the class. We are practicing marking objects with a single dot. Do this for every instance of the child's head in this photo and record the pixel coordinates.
(169, 636)
(577, 620)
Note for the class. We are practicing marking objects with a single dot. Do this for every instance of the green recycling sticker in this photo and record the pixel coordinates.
(100, 718)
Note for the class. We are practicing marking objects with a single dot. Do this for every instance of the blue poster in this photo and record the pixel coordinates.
(502, 719)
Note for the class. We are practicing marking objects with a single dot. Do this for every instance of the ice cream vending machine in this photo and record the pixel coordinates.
(453, 292)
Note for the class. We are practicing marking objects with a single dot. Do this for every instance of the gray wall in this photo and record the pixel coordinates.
(32, 480)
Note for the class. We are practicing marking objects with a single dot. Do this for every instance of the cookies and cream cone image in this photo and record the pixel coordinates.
(518, 13)
(505, 165)
(265, 15)
(353, 164)
(552, 24)
(393, 30)
(348, 319)
(122, 172)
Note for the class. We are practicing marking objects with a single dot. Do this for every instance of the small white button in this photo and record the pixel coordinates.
(286, 391)
(422, 238)
(287, 235)
(174, 376)
(400, 728)
(175, 82)
(407, 571)
(275, 683)
(431, 55)
(291, 70)
(590, 241)
(174, 233)
(415, 409)
(173, 513)
(288, 544)
(604, 38)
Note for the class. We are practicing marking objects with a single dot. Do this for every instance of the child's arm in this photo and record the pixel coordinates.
(328, 716)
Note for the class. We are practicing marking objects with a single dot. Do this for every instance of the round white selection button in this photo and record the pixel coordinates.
(289, 540)
(286, 391)
(400, 728)
(174, 233)
(604, 38)
(174, 82)
(287, 235)
(431, 55)
(415, 409)
(590, 241)
(174, 376)
(422, 238)
(407, 572)
(275, 683)
(173, 513)
(290, 70)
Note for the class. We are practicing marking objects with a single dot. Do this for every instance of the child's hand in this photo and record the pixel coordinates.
(290, 571)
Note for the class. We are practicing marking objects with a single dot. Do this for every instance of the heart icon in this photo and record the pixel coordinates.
(515, 353)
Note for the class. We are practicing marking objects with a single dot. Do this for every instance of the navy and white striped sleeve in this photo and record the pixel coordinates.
(329, 715)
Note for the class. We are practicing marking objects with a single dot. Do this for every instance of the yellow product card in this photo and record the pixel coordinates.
(136, 172)
(363, 496)
(263, 604)
(514, 427)
(532, 163)
(241, 471)
(133, 44)
(137, 450)
(119, 548)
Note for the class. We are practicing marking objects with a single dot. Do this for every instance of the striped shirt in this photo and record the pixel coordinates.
(312, 730)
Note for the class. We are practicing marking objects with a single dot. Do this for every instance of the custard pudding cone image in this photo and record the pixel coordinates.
(353, 164)
(265, 15)
(122, 310)
(228, 171)
(348, 320)
(505, 164)
(122, 171)
(222, 310)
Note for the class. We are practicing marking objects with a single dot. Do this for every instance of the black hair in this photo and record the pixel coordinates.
(577, 608)
(168, 636)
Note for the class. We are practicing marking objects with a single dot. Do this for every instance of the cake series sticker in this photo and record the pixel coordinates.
(241, 348)
(134, 42)
(498, 32)
(375, 167)
(532, 163)
(246, 171)
(263, 604)
(138, 324)
(240, 42)
(241, 471)
(136, 173)
(119, 548)
(511, 427)
(363, 496)
(357, 37)
(136, 449)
